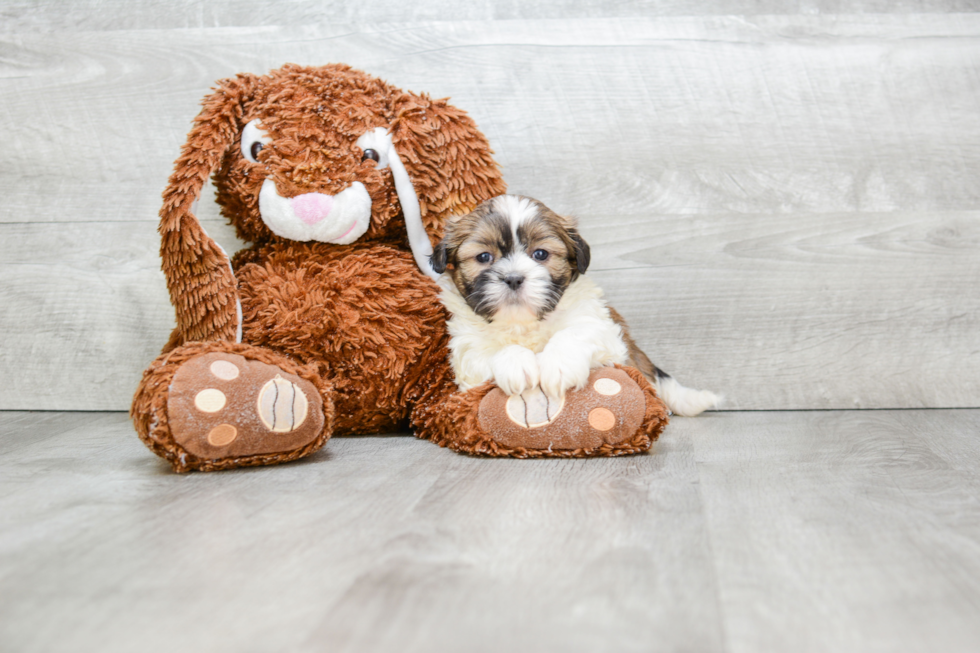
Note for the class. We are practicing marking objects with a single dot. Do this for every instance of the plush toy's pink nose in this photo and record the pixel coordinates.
(312, 207)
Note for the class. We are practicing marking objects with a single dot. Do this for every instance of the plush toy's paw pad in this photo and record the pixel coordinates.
(533, 408)
(224, 405)
(608, 410)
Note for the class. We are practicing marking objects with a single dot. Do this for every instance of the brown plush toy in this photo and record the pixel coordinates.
(330, 322)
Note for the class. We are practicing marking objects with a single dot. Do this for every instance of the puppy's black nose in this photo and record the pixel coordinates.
(514, 281)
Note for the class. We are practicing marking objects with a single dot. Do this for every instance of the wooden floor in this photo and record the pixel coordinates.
(742, 531)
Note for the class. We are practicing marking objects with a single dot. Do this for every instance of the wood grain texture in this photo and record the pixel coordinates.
(844, 310)
(112, 15)
(765, 532)
(373, 544)
(845, 531)
(782, 204)
(84, 310)
(674, 116)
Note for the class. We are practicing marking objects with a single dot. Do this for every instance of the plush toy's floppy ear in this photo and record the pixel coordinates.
(447, 158)
(202, 286)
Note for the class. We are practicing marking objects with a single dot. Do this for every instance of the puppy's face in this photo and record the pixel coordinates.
(512, 257)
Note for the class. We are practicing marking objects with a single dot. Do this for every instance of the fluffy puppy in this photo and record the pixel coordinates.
(523, 313)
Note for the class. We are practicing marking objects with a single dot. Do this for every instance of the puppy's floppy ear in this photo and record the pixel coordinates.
(440, 257)
(447, 158)
(202, 286)
(583, 255)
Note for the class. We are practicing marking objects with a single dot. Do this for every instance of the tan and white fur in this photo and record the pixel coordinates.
(523, 313)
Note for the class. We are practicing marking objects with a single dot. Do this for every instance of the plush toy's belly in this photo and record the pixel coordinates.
(369, 315)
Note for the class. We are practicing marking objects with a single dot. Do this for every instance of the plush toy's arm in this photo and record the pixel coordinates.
(202, 285)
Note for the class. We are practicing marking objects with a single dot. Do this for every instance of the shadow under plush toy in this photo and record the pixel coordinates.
(330, 322)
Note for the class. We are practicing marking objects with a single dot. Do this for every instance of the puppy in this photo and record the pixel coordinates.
(524, 315)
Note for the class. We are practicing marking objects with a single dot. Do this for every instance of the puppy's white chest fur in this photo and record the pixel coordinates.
(579, 330)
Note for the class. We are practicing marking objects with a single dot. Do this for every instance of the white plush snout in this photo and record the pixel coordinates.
(339, 219)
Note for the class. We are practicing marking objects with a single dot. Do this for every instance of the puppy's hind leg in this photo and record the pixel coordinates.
(681, 400)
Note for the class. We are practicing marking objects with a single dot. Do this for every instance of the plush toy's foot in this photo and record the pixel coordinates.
(222, 405)
(605, 414)
(223, 409)
(617, 413)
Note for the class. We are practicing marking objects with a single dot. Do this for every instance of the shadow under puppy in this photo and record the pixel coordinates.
(523, 313)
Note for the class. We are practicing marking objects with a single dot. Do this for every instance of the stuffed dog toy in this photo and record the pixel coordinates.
(330, 321)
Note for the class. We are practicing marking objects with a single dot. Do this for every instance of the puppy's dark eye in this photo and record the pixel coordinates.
(370, 154)
(539, 255)
(485, 257)
(255, 149)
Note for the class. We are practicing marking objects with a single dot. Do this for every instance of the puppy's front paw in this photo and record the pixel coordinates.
(515, 369)
(562, 370)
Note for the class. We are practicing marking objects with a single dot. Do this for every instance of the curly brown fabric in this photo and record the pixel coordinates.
(656, 418)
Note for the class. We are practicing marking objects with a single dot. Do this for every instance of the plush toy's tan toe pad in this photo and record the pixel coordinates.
(609, 410)
(224, 405)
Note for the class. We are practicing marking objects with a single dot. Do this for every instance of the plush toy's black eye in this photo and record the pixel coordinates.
(370, 154)
(539, 255)
(254, 139)
(485, 257)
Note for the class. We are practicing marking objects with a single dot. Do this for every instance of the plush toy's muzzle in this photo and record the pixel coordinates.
(339, 219)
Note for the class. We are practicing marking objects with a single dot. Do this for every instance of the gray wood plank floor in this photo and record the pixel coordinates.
(782, 195)
(785, 531)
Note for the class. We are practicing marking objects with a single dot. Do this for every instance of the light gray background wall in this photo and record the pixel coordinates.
(782, 198)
